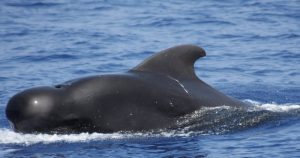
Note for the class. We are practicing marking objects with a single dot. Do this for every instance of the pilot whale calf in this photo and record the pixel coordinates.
(150, 96)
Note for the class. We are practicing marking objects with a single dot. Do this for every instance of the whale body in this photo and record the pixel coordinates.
(150, 96)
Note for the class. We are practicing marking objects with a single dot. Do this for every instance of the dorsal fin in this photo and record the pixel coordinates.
(177, 62)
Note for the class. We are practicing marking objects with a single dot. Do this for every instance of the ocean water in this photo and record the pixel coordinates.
(253, 54)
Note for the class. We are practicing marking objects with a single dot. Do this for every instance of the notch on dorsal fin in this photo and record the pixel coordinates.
(177, 62)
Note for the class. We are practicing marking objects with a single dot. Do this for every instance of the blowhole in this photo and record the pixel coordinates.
(58, 86)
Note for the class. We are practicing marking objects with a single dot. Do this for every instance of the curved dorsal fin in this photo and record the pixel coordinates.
(177, 62)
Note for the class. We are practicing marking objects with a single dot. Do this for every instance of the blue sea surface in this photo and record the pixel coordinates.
(253, 54)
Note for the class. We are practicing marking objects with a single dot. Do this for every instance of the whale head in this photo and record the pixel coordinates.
(41, 109)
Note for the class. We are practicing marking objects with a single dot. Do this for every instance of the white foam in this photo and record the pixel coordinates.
(10, 137)
(274, 107)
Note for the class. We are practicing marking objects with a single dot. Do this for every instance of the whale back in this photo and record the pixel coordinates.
(178, 64)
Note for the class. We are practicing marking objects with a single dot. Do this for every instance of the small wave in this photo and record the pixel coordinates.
(226, 119)
(30, 4)
(274, 107)
(40, 58)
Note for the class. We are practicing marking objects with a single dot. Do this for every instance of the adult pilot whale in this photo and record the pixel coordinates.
(151, 96)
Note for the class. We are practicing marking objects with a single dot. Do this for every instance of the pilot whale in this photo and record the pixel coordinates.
(150, 96)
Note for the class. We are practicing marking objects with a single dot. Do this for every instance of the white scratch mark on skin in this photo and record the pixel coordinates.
(181, 85)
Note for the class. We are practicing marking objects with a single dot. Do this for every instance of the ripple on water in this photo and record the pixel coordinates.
(29, 4)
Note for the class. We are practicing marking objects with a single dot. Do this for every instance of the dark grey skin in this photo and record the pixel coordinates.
(151, 96)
